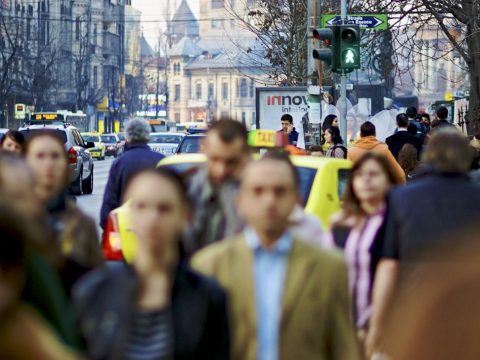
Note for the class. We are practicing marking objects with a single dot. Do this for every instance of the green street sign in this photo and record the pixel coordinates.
(366, 21)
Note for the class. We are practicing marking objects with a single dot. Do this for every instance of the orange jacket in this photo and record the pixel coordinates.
(370, 143)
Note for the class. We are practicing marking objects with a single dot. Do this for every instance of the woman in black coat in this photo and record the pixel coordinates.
(157, 308)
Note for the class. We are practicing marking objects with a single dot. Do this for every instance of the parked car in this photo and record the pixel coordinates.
(190, 144)
(79, 159)
(98, 151)
(113, 145)
(322, 184)
(165, 143)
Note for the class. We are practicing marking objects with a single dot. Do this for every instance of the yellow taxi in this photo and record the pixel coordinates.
(322, 184)
(98, 151)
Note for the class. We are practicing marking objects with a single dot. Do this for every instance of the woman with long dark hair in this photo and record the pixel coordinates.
(334, 141)
(359, 228)
(155, 308)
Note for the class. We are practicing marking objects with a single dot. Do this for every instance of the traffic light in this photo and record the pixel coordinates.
(348, 49)
(325, 54)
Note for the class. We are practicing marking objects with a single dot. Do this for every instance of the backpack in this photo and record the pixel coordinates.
(345, 150)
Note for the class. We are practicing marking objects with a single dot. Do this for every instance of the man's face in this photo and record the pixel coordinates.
(224, 160)
(267, 196)
(285, 125)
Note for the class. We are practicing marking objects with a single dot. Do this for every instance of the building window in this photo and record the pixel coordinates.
(198, 91)
(210, 90)
(95, 77)
(252, 88)
(254, 120)
(224, 114)
(244, 118)
(224, 91)
(243, 88)
(95, 34)
(217, 24)
(218, 4)
(77, 28)
(177, 92)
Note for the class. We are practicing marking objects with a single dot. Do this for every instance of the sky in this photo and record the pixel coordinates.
(154, 15)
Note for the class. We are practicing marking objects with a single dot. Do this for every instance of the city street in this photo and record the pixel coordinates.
(91, 204)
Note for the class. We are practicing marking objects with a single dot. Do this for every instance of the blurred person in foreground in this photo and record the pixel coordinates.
(76, 233)
(137, 157)
(423, 216)
(369, 142)
(157, 307)
(213, 189)
(41, 288)
(24, 332)
(288, 299)
(13, 141)
(359, 229)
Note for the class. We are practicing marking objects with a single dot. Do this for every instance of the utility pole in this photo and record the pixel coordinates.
(313, 21)
(158, 80)
(343, 85)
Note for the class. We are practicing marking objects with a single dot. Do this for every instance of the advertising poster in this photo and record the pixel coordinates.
(273, 102)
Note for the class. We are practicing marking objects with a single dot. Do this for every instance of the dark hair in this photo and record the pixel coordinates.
(425, 115)
(442, 113)
(402, 120)
(283, 157)
(229, 130)
(14, 135)
(328, 121)
(367, 129)
(336, 137)
(408, 158)
(52, 134)
(411, 112)
(351, 203)
(287, 117)
(14, 237)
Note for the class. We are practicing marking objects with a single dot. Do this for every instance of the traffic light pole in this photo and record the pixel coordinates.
(343, 86)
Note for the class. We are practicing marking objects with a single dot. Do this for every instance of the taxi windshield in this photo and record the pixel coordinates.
(109, 139)
(165, 139)
(91, 138)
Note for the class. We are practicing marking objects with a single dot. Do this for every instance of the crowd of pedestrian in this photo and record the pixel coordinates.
(228, 264)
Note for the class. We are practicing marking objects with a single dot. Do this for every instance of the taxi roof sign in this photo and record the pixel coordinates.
(267, 138)
(47, 117)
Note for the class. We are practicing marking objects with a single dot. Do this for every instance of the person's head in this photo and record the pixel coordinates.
(408, 158)
(268, 193)
(442, 113)
(159, 217)
(316, 150)
(402, 121)
(332, 136)
(287, 121)
(370, 180)
(411, 112)
(137, 131)
(367, 129)
(13, 141)
(46, 156)
(330, 121)
(448, 151)
(226, 149)
(425, 118)
(17, 184)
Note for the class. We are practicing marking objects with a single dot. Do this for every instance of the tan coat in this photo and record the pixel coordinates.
(315, 319)
(370, 143)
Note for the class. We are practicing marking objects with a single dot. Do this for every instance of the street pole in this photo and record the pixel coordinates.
(343, 86)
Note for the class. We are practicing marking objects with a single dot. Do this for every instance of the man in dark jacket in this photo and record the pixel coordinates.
(287, 128)
(402, 137)
(137, 157)
(441, 121)
(412, 120)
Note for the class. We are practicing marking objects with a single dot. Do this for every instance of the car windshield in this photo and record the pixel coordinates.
(91, 138)
(121, 137)
(165, 139)
(158, 127)
(109, 139)
(190, 145)
(62, 135)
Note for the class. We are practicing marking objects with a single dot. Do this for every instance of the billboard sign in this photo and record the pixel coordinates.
(273, 102)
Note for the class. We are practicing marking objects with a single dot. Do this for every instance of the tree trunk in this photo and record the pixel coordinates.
(473, 42)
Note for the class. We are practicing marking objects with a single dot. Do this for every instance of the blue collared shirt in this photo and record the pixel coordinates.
(269, 276)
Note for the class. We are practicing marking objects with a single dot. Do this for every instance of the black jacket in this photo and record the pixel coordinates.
(400, 138)
(137, 157)
(105, 300)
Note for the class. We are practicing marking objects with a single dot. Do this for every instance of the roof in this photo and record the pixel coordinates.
(185, 47)
(145, 48)
(184, 21)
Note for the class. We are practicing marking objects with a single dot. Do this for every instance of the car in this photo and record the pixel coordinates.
(113, 145)
(98, 151)
(322, 184)
(79, 159)
(165, 143)
(190, 144)
(123, 139)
